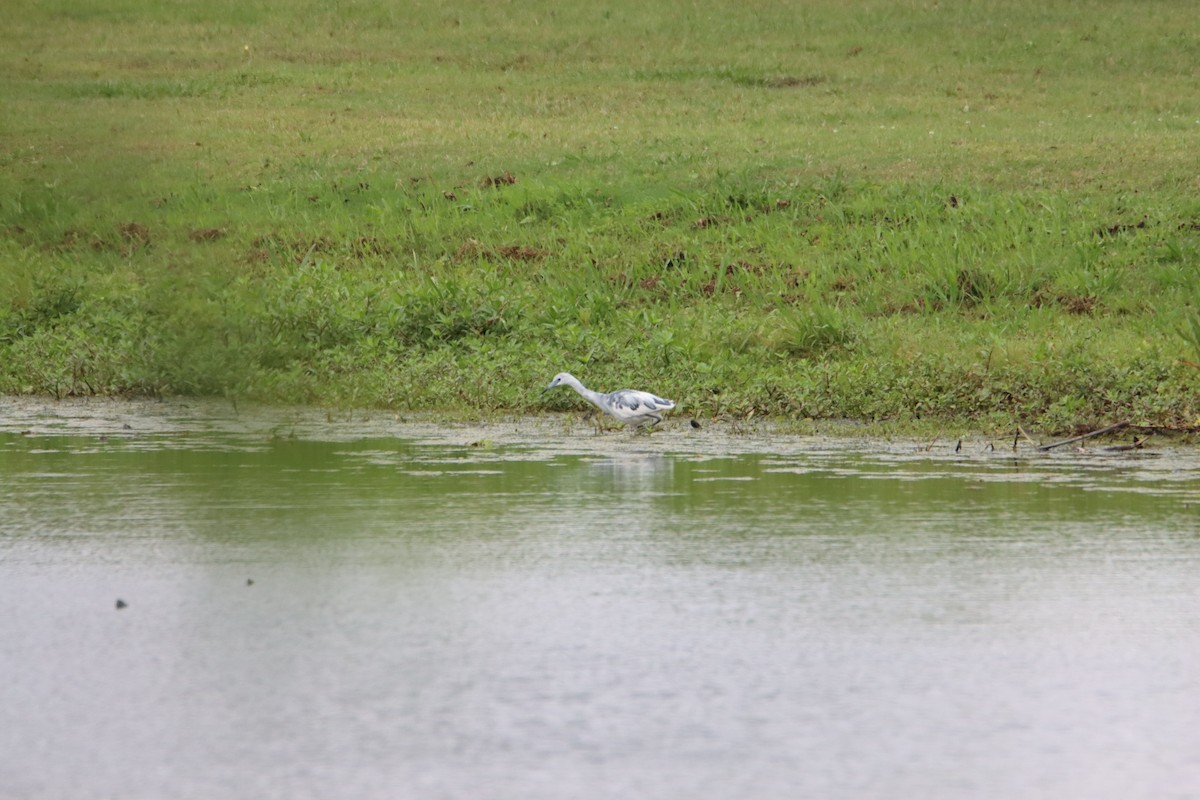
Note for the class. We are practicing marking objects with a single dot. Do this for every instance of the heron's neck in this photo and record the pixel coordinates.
(586, 393)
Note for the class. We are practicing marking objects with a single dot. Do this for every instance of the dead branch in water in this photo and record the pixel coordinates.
(1073, 439)
(1026, 436)
(1021, 434)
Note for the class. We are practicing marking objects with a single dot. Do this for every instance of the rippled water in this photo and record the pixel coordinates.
(321, 607)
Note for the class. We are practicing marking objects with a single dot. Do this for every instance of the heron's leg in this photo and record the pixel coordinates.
(598, 421)
(646, 428)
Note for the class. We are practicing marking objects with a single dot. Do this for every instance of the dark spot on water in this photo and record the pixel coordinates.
(249, 581)
(121, 604)
(695, 424)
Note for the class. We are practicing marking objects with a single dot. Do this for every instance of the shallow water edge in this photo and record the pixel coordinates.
(103, 416)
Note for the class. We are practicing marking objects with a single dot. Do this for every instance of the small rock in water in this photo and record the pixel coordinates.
(121, 604)
(249, 581)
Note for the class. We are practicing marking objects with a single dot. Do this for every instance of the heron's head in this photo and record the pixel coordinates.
(559, 379)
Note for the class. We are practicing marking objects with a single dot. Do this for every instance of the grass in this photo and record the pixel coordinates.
(882, 210)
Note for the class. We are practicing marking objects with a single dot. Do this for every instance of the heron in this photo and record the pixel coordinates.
(628, 406)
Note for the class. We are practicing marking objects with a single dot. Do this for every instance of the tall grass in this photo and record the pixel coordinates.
(876, 210)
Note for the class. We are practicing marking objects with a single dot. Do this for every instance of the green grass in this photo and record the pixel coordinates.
(880, 210)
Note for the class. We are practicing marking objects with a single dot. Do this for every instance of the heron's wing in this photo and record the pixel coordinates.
(635, 401)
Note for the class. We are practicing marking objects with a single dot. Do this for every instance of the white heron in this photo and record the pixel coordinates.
(629, 406)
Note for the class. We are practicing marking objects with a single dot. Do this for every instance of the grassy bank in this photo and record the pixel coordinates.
(885, 211)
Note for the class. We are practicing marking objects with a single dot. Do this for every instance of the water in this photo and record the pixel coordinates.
(361, 607)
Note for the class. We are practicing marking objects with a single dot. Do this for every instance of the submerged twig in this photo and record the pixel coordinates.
(1138, 444)
(1073, 439)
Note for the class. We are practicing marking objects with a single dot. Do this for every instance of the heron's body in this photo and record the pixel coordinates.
(629, 406)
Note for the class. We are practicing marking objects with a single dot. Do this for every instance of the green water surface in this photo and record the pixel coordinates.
(322, 606)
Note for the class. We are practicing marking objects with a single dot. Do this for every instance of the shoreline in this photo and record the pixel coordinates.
(110, 416)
